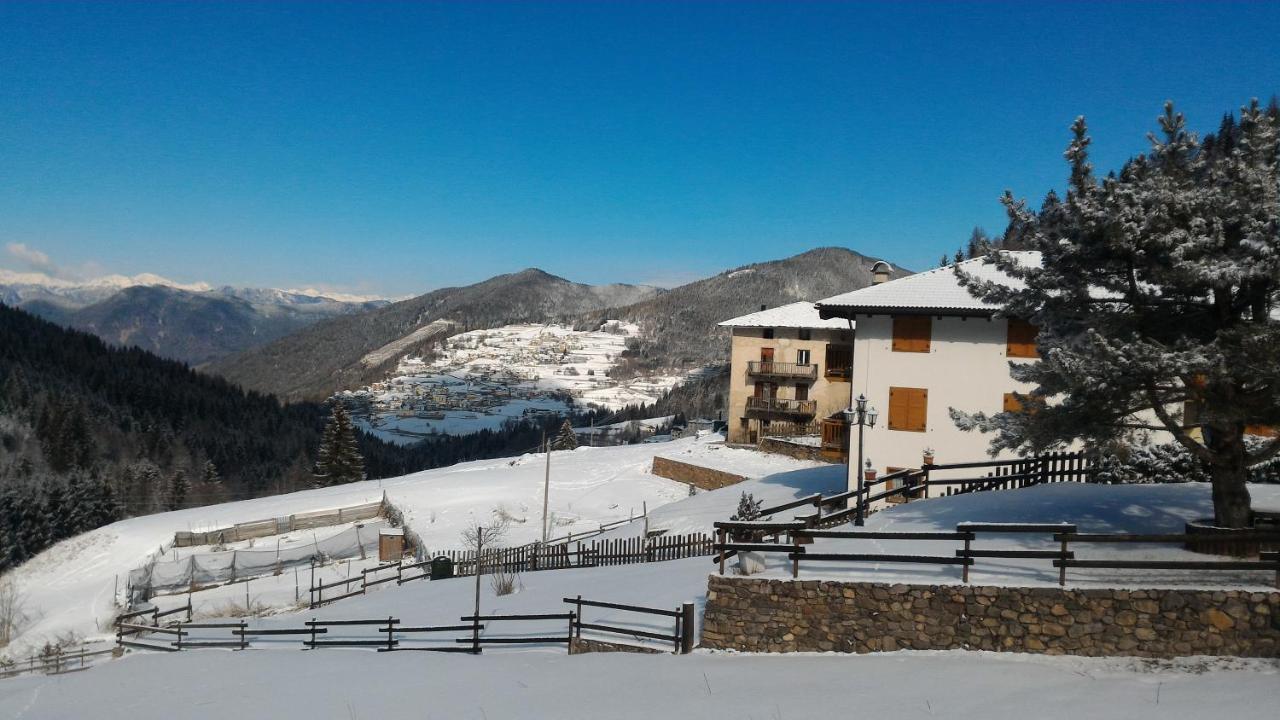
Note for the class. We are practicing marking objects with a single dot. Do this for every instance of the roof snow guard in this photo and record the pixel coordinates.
(795, 315)
(933, 292)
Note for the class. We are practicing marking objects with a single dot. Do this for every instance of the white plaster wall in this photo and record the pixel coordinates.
(965, 368)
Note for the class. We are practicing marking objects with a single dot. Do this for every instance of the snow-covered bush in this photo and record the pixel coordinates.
(748, 508)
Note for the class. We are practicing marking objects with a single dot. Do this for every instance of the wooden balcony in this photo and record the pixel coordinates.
(835, 439)
(768, 368)
(766, 408)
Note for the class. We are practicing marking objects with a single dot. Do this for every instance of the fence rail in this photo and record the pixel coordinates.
(1062, 557)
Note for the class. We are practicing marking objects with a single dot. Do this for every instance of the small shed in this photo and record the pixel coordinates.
(390, 544)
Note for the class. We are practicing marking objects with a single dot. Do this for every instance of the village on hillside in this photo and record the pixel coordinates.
(483, 378)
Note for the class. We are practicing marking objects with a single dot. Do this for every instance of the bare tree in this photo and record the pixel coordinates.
(12, 612)
(479, 539)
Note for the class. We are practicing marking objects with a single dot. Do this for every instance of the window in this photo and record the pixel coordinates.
(767, 333)
(839, 361)
(1011, 403)
(911, 333)
(802, 392)
(908, 408)
(805, 334)
(1022, 339)
(802, 357)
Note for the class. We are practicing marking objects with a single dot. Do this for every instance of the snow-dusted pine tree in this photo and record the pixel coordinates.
(179, 486)
(338, 460)
(1154, 302)
(565, 439)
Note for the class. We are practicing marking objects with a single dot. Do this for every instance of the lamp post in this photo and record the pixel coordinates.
(864, 417)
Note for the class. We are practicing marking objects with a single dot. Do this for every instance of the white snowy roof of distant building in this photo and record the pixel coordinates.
(796, 315)
(937, 290)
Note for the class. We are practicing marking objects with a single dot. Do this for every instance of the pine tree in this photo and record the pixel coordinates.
(338, 459)
(565, 439)
(211, 477)
(1155, 294)
(179, 486)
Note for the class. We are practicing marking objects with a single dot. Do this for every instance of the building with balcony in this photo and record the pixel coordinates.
(789, 375)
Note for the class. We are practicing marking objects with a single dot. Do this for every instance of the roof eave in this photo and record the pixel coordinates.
(851, 312)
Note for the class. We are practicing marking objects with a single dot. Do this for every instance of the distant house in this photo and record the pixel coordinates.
(790, 370)
(925, 345)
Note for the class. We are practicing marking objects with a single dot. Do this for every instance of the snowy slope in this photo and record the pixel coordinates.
(72, 585)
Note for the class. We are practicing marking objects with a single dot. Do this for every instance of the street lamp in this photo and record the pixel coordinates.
(863, 417)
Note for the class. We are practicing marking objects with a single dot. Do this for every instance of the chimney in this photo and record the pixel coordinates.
(880, 272)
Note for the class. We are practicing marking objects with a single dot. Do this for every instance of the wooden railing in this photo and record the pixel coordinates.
(781, 406)
(797, 547)
(807, 371)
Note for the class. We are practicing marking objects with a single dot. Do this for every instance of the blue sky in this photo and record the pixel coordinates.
(396, 148)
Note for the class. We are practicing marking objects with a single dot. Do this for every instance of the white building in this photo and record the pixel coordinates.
(924, 345)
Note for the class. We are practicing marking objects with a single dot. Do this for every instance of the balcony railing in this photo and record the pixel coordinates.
(779, 406)
(806, 371)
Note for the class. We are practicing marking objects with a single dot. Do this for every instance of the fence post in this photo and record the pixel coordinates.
(720, 541)
(578, 628)
(244, 635)
(178, 644)
(1062, 569)
(966, 558)
(795, 556)
(313, 634)
(390, 632)
(686, 628)
(572, 624)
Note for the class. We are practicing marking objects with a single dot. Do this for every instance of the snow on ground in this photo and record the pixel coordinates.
(1140, 509)
(364, 685)
(73, 586)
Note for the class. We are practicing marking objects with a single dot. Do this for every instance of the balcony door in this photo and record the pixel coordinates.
(766, 390)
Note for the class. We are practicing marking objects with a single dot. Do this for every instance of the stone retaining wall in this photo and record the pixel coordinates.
(799, 451)
(583, 645)
(700, 477)
(760, 615)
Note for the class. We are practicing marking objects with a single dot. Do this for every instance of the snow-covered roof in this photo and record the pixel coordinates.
(936, 290)
(796, 315)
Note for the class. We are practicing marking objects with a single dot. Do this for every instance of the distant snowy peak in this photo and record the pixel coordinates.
(18, 287)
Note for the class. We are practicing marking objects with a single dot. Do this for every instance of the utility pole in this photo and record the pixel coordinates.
(546, 487)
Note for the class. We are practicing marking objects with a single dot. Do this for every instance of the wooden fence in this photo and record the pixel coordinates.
(57, 662)
(390, 634)
(525, 558)
(800, 535)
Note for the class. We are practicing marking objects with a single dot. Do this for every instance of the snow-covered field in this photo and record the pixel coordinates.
(73, 586)
(362, 685)
(483, 378)
(275, 678)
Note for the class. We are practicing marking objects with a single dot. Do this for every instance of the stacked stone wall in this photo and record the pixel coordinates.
(763, 615)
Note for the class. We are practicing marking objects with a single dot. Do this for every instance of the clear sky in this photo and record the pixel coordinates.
(396, 148)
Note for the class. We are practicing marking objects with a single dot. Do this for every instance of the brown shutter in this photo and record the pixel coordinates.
(912, 333)
(1011, 403)
(1022, 339)
(908, 409)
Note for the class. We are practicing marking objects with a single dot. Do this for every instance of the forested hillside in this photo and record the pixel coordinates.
(90, 433)
(336, 354)
(680, 326)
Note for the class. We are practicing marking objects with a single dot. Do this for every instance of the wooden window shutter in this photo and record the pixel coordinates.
(1011, 403)
(1022, 339)
(911, 333)
(908, 409)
